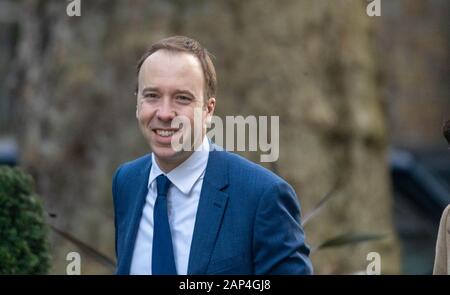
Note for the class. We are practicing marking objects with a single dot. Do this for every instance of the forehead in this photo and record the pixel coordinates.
(171, 69)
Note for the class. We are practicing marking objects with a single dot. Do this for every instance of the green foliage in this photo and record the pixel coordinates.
(23, 231)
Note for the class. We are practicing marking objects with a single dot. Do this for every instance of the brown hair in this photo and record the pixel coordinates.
(185, 44)
(446, 131)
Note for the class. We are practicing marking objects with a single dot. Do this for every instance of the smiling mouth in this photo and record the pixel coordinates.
(165, 133)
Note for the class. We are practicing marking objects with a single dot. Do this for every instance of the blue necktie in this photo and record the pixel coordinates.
(163, 261)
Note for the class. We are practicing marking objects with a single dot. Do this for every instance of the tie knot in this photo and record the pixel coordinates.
(162, 185)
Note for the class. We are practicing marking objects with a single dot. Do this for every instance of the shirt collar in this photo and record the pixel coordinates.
(187, 173)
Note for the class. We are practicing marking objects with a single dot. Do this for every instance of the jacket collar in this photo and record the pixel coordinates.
(211, 207)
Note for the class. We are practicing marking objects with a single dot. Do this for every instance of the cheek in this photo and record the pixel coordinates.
(199, 118)
(145, 113)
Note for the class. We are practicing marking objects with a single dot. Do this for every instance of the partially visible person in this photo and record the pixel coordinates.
(442, 260)
(447, 131)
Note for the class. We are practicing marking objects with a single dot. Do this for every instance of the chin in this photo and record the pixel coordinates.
(167, 154)
(164, 152)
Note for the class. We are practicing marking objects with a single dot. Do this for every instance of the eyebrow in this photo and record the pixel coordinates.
(150, 89)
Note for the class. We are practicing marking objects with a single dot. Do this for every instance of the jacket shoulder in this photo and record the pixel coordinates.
(445, 221)
(130, 171)
(245, 169)
(135, 165)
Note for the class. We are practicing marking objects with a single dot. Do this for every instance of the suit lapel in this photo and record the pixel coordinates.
(140, 194)
(211, 207)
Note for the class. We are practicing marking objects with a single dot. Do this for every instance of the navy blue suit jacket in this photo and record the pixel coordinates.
(248, 219)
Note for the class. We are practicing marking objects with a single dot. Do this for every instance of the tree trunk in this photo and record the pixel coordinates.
(309, 62)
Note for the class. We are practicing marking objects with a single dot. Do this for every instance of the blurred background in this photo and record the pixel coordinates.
(361, 101)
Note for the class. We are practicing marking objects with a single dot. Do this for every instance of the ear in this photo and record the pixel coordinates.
(210, 106)
(137, 104)
(137, 112)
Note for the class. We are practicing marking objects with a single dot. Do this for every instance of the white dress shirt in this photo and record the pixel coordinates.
(182, 203)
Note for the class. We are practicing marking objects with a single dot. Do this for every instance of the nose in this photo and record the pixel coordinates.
(165, 111)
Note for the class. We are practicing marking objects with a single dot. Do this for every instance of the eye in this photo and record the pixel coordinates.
(184, 98)
(150, 95)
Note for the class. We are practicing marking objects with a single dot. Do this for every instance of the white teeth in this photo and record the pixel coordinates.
(165, 133)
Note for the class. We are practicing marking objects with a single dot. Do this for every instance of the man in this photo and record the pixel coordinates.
(442, 260)
(199, 210)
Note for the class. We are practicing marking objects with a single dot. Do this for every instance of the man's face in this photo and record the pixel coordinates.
(171, 84)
